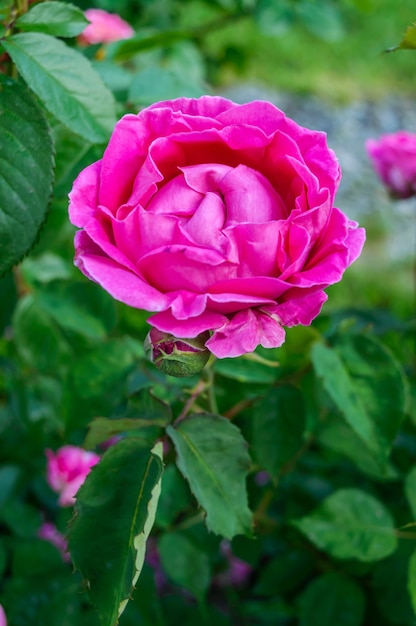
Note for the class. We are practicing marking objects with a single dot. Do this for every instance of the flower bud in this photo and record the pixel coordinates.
(176, 357)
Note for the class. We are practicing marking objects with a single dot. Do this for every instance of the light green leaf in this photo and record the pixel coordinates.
(65, 82)
(408, 42)
(114, 513)
(213, 457)
(278, 428)
(185, 563)
(26, 172)
(332, 599)
(322, 19)
(53, 18)
(157, 83)
(351, 524)
(367, 386)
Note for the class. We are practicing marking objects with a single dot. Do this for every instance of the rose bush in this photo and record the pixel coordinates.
(394, 159)
(216, 217)
(67, 469)
(104, 27)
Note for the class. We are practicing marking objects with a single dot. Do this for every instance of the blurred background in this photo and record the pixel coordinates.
(324, 63)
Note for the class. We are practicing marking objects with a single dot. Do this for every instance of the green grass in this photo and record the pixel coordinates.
(350, 68)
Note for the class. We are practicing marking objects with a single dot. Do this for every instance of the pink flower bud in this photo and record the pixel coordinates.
(177, 357)
(67, 470)
(104, 28)
(3, 620)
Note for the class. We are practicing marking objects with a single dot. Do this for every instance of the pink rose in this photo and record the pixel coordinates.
(394, 159)
(104, 28)
(217, 217)
(3, 620)
(67, 469)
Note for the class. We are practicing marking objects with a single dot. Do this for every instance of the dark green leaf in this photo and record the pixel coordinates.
(410, 490)
(367, 386)
(53, 18)
(411, 583)
(340, 438)
(114, 513)
(82, 307)
(213, 457)
(27, 162)
(389, 586)
(65, 82)
(174, 499)
(351, 524)
(185, 563)
(285, 572)
(332, 599)
(39, 341)
(96, 381)
(248, 369)
(278, 428)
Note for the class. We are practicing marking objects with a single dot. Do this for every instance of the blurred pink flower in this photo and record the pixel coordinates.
(50, 533)
(237, 572)
(67, 469)
(104, 28)
(3, 620)
(394, 159)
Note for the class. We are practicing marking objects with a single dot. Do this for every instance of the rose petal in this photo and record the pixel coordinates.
(244, 332)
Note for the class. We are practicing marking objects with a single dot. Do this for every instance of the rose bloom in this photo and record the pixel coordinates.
(217, 217)
(67, 469)
(394, 159)
(104, 28)
(3, 620)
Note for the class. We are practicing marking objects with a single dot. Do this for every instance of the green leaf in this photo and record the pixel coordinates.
(367, 386)
(174, 499)
(114, 513)
(185, 563)
(411, 583)
(83, 307)
(340, 438)
(213, 457)
(96, 382)
(65, 82)
(351, 524)
(322, 19)
(144, 416)
(26, 173)
(410, 491)
(278, 428)
(389, 582)
(332, 599)
(53, 18)
(409, 40)
(248, 369)
(285, 572)
(38, 339)
(157, 83)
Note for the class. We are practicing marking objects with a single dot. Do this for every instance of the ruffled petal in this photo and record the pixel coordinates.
(244, 332)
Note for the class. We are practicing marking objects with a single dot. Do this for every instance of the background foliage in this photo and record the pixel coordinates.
(303, 458)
